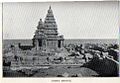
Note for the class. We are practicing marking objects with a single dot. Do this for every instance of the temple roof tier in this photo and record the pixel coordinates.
(50, 28)
(50, 21)
(40, 37)
(48, 17)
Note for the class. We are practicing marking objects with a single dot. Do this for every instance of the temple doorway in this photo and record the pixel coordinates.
(59, 43)
(40, 42)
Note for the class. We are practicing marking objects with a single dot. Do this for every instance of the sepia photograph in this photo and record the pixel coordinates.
(60, 39)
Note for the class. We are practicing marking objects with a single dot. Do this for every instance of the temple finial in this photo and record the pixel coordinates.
(40, 22)
(50, 10)
(50, 7)
(40, 19)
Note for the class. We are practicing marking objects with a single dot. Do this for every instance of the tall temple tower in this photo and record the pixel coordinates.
(46, 35)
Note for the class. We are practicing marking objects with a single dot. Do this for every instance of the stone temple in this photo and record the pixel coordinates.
(46, 36)
(46, 41)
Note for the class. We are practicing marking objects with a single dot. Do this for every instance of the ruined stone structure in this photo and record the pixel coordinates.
(46, 35)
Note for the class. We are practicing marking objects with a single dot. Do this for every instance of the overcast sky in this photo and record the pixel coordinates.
(76, 20)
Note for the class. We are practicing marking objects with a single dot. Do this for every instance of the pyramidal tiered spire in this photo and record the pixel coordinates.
(50, 20)
(50, 23)
(40, 29)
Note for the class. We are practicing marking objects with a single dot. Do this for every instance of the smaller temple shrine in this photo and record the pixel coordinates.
(46, 36)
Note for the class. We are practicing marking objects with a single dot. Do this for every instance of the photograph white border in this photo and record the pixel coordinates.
(50, 80)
